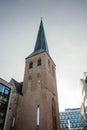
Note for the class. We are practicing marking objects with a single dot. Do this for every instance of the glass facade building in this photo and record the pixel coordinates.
(4, 98)
(71, 119)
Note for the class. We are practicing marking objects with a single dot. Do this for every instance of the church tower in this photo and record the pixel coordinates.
(38, 107)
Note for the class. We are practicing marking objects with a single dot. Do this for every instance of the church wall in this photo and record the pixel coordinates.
(35, 94)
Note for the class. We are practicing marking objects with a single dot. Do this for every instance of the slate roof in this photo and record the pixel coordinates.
(41, 43)
(17, 85)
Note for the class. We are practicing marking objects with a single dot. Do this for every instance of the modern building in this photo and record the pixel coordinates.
(4, 100)
(8, 103)
(71, 119)
(35, 101)
(83, 85)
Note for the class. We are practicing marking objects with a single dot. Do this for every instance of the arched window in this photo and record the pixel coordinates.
(31, 65)
(39, 62)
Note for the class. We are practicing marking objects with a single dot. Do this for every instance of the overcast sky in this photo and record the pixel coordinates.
(65, 24)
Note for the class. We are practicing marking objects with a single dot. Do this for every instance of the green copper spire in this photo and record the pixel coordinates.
(41, 43)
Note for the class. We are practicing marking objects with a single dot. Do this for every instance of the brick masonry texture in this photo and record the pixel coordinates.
(34, 94)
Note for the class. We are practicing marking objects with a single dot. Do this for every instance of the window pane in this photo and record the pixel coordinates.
(4, 98)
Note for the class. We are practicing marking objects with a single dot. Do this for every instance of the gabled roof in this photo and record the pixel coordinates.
(41, 43)
(17, 85)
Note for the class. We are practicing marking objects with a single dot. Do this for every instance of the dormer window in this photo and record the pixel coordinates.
(39, 62)
(31, 65)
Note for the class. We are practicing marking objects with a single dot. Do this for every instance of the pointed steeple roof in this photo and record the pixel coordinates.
(41, 43)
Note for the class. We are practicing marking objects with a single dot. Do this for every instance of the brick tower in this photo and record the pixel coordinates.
(38, 107)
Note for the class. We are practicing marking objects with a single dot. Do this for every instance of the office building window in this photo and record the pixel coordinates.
(4, 98)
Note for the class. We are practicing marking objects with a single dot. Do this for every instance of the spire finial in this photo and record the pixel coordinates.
(41, 43)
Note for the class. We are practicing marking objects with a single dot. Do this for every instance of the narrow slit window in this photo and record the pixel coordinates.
(49, 66)
(30, 83)
(54, 114)
(39, 62)
(53, 70)
(39, 80)
(38, 117)
(13, 122)
(31, 65)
